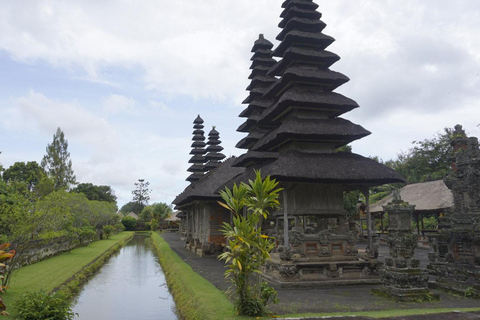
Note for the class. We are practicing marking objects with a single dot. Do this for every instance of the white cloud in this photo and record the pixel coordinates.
(118, 104)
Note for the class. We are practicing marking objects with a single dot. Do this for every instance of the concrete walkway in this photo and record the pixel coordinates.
(334, 299)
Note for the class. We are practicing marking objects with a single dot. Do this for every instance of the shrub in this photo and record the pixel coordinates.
(119, 227)
(108, 230)
(40, 305)
(130, 223)
(248, 248)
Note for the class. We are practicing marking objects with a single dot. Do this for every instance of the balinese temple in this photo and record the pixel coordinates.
(198, 150)
(202, 217)
(294, 130)
(316, 243)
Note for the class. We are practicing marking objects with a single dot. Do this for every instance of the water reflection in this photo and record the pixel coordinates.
(130, 286)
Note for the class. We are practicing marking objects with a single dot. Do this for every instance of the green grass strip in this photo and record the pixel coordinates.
(64, 272)
(195, 297)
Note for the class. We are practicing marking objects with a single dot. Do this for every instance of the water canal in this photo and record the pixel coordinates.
(131, 285)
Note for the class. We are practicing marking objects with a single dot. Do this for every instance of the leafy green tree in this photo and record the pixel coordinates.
(155, 213)
(428, 160)
(1, 168)
(131, 206)
(141, 194)
(30, 173)
(248, 248)
(129, 222)
(57, 162)
(93, 192)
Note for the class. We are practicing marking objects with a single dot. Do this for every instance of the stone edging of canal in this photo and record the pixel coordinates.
(73, 285)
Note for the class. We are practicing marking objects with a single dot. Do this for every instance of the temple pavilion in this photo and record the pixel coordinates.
(294, 131)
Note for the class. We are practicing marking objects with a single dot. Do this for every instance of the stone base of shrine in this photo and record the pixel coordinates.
(455, 278)
(321, 273)
(405, 285)
(406, 294)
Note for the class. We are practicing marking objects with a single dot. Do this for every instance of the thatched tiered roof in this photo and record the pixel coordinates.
(431, 196)
(198, 151)
(206, 188)
(304, 128)
(214, 155)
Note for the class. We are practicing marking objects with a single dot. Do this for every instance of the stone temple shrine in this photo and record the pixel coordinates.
(294, 130)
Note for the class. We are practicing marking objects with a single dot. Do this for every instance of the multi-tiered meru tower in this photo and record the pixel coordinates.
(294, 134)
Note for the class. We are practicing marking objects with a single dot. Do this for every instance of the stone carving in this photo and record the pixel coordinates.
(288, 271)
(402, 279)
(295, 238)
(455, 259)
(333, 271)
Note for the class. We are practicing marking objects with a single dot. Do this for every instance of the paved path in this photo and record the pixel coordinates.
(320, 300)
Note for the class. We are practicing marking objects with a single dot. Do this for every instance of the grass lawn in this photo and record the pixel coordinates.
(51, 273)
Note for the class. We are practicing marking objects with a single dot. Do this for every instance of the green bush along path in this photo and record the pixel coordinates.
(50, 274)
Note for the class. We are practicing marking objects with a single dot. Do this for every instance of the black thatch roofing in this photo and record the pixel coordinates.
(261, 44)
(296, 11)
(337, 131)
(304, 24)
(257, 104)
(205, 188)
(327, 79)
(430, 196)
(348, 169)
(340, 167)
(334, 104)
(250, 139)
(306, 4)
(254, 158)
(319, 40)
(323, 59)
(261, 82)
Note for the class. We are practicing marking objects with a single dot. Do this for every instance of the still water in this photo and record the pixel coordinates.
(131, 285)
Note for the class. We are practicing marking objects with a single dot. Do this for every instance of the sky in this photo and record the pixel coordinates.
(124, 80)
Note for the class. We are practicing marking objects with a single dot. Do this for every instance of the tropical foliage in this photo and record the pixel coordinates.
(40, 305)
(154, 214)
(98, 193)
(428, 160)
(248, 248)
(4, 258)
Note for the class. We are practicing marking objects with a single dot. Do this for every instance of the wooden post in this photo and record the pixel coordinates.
(366, 193)
(285, 219)
(418, 224)
(381, 221)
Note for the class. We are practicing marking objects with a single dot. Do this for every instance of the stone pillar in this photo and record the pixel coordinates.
(455, 258)
(402, 279)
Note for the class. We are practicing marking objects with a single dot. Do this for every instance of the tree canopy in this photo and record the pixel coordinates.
(30, 173)
(99, 193)
(57, 163)
(131, 206)
(141, 194)
(428, 160)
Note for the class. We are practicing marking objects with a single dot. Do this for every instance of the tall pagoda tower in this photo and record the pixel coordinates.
(198, 151)
(303, 129)
(214, 155)
(262, 61)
